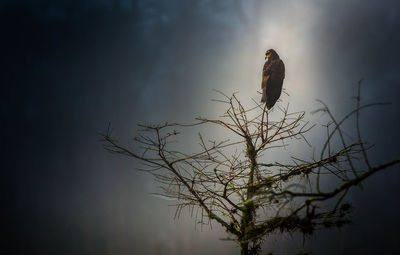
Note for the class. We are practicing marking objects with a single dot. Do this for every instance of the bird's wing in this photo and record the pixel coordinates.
(274, 82)
(277, 68)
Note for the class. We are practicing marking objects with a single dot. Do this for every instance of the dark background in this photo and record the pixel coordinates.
(68, 68)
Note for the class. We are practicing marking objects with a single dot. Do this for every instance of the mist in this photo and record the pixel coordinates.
(69, 68)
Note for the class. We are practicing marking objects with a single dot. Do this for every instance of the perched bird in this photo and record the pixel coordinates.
(272, 78)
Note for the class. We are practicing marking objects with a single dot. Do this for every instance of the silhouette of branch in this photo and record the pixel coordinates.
(229, 183)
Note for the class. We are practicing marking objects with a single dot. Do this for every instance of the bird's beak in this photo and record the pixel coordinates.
(267, 56)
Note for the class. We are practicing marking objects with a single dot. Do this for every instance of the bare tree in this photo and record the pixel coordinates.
(227, 181)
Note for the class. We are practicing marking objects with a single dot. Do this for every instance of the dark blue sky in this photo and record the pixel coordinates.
(71, 67)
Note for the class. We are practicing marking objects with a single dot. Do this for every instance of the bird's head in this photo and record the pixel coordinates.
(271, 54)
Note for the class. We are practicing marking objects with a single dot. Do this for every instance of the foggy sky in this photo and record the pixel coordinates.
(71, 67)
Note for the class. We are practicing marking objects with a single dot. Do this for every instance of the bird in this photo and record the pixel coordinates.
(272, 78)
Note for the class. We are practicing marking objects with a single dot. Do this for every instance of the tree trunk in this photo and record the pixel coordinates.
(244, 248)
(249, 211)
